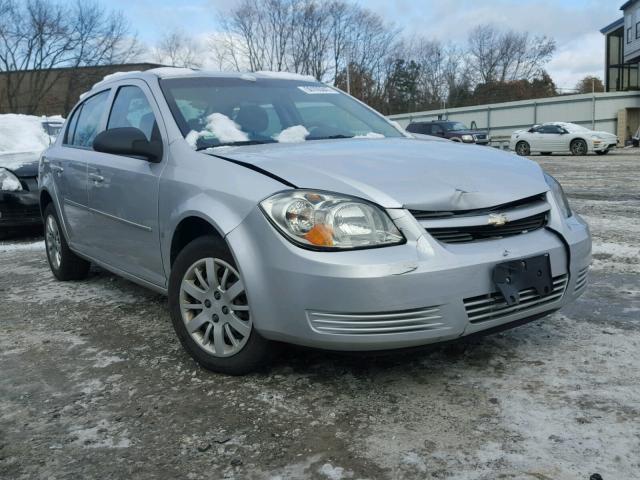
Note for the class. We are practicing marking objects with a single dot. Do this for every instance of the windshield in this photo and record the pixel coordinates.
(572, 127)
(233, 111)
(456, 127)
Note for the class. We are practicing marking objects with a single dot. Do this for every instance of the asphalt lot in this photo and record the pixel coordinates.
(93, 382)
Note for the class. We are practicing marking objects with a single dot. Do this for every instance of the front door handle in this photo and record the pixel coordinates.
(57, 169)
(96, 178)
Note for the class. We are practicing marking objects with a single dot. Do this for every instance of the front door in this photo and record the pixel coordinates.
(123, 192)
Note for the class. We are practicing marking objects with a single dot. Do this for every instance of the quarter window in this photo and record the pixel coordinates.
(131, 109)
(89, 120)
(71, 129)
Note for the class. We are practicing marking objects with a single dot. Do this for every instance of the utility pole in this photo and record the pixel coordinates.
(593, 93)
(348, 73)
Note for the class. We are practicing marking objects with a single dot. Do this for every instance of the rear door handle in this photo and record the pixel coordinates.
(96, 178)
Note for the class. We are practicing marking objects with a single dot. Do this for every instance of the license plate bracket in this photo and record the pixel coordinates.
(514, 276)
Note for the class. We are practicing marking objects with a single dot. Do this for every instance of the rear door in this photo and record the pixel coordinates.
(68, 165)
(123, 191)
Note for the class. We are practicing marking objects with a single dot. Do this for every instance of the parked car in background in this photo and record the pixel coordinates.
(271, 207)
(22, 140)
(455, 131)
(562, 137)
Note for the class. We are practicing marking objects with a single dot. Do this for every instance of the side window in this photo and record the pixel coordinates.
(89, 120)
(71, 127)
(131, 109)
(437, 130)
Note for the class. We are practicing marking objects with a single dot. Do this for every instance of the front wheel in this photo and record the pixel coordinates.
(64, 264)
(210, 310)
(523, 148)
(579, 147)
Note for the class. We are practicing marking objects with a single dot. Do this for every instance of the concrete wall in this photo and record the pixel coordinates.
(501, 119)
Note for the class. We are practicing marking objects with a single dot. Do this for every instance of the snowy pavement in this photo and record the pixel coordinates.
(94, 384)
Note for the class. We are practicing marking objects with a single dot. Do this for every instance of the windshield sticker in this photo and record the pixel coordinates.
(317, 90)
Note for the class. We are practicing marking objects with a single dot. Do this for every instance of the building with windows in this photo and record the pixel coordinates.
(623, 50)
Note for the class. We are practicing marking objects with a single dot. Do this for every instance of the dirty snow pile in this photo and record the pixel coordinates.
(22, 133)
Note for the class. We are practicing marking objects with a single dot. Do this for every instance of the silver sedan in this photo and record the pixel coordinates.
(270, 207)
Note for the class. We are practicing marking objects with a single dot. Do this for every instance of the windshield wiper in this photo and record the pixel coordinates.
(330, 137)
(235, 144)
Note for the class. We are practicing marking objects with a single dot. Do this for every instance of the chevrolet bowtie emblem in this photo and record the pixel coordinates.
(497, 219)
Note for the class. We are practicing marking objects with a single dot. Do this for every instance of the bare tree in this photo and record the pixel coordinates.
(178, 49)
(496, 55)
(590, 84)
(39, 36)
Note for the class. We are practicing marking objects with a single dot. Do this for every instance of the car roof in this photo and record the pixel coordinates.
(173, 72)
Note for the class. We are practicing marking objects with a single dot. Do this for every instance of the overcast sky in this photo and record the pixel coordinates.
(575, 24)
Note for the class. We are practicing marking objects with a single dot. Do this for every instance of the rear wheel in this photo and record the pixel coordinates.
(210, 310)
(523, 148)
(64, 264)
(579, 147)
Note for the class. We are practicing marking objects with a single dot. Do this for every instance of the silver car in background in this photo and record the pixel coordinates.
(271, 207)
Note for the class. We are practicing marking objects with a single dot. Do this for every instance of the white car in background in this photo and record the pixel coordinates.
(560, 137)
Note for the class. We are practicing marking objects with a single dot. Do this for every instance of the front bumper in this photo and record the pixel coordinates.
(20, 209)
(414, 294)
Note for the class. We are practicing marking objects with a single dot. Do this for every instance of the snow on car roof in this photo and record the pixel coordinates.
(23, 133)
(171, 72)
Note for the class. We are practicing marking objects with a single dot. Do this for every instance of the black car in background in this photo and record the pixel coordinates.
(455, 131)
(19, 204)
(22, 140)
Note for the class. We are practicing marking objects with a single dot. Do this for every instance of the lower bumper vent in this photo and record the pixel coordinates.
(581, 280)
(406, 321)
(493, 306)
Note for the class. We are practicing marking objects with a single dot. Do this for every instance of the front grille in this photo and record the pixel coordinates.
(493, 306)
(488, 232)
(481, 137)
(406, 321)
(581, 280)
(434, 215)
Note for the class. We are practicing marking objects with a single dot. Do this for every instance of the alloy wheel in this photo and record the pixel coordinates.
(579, 148)
(54, 245)
(214, 307)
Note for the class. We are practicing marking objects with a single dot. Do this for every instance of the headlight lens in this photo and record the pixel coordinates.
(467, 138)
(558, 195)
(9, 182)
(329, 221)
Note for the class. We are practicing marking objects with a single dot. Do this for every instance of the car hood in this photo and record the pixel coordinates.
(23, 164)
(401, 172)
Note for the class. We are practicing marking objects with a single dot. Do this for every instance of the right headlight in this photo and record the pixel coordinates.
(558, 195)
(330, 221)
(9, 182)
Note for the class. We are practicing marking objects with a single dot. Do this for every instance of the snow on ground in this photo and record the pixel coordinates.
(22, 133)
(95, 365)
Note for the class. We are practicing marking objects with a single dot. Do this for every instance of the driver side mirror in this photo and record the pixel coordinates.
(532, 130)
(128, 141)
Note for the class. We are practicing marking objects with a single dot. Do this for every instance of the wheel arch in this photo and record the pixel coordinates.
(190, 227)
(45, 199)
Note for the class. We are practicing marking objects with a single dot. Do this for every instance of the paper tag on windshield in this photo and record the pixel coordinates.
(317, 90)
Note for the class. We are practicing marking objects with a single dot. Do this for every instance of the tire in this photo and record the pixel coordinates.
(65, 265)
(602, 152)
(579, 148)
(221, 337)
(523, 148)
(456, 139)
